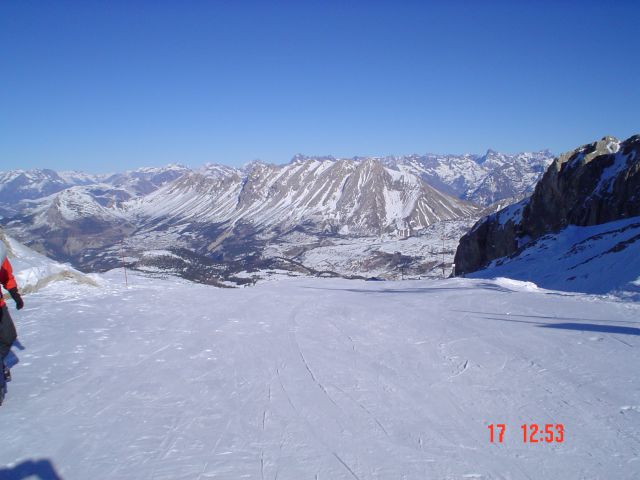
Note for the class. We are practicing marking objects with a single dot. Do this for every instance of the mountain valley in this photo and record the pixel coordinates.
(387, 217)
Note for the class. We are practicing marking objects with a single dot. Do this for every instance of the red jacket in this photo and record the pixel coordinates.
(6, 278)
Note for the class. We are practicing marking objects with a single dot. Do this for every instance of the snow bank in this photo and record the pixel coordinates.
(34, 271)
(599, 259)
(518, 285)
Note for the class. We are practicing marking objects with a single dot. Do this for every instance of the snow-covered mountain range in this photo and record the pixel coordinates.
(480, 179)
(226, 214)
(18, 185)
(349, 197)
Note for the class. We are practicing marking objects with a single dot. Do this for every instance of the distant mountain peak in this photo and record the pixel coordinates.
(301, 158)
(256, 163)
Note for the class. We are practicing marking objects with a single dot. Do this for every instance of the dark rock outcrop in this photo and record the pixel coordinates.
(594, 184)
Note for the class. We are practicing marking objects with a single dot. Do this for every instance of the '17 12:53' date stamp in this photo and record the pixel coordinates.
(531, 432)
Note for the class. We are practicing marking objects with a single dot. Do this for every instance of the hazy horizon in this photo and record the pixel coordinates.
(242, 164)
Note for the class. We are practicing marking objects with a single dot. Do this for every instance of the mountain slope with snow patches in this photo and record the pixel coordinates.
(480, 179)
(574, 212)
(355, 197)
(228, 215)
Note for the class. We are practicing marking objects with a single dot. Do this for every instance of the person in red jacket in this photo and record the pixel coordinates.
(8, 333)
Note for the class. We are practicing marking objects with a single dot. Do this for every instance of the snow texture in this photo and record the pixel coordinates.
(596, 259)
(321, 379)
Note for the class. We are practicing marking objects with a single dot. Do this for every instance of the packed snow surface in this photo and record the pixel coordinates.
(321, 379)
(596, 259)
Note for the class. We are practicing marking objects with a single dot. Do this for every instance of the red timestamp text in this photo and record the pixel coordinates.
(531, 432)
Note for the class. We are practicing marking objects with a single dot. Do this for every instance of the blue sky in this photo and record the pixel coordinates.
(109, 85)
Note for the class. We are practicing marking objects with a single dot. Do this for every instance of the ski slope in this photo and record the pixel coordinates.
(596, 259)
(321, 379)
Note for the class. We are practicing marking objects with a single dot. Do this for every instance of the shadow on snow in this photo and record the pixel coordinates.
(585, 327)
(32, 469)
(420, 290)
(11, 360)
(546, 317)
(592, 327)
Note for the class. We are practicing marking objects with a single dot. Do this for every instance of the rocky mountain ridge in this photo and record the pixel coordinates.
(464, 176)
(592, 185)
(230, 216)
(357, 198)
(480, 179)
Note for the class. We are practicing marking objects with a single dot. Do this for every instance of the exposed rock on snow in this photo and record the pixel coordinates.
(593, 185)
(599, 259)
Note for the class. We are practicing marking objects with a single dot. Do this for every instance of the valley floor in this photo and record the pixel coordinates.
(321, 379)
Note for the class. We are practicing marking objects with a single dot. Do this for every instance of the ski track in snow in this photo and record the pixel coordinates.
(322, 379)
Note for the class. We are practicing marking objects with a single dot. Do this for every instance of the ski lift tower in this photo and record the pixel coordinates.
(442, 237)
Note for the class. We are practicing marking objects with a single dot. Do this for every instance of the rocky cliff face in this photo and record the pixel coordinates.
(594, 184)
(351, 197)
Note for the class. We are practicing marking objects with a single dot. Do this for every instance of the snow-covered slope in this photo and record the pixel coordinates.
(346, 196)
(321, 379)
(34, 271)
(596, 259)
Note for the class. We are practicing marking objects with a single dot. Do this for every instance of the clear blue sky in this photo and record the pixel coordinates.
(109, 85)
